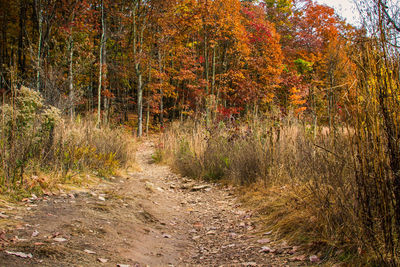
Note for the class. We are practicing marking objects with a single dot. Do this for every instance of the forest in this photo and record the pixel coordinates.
(283, 100)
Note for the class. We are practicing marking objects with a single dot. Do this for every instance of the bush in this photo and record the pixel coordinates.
(34, 138)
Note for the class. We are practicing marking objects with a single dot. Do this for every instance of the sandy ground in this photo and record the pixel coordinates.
(151, 217)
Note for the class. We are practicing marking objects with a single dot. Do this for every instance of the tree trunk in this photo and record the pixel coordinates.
(39, 49)
(71, 78)
(100, 67)
(161, 89)
(138, 70)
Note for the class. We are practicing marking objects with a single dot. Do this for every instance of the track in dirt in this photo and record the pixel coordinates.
(151, 217)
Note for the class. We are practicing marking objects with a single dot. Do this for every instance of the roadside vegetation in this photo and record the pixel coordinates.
(40, 149)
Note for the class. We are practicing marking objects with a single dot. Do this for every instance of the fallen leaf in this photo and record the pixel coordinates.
(89, 251)
(196, 237)
(298, 258)
(160, 189)
(199, 187)
(56, 234)
(19, 254)
(264, 240)
(102, 260)
(59, 239)
(123, 265)
(3, 216)
(266, 249)
(35, 233)
(252, 263)
(102, 198)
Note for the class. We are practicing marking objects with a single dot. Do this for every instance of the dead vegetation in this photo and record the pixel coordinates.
(39, 149)
(303, 187)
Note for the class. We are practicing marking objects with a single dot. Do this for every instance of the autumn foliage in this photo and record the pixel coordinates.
(167, 59)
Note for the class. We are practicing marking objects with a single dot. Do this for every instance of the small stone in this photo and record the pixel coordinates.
(19, 254)
(35, 233)
(314, 258)
(102, 260)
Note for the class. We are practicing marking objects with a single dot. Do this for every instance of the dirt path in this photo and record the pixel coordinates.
(148, 218)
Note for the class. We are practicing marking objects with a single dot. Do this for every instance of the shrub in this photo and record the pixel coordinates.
(34, 138)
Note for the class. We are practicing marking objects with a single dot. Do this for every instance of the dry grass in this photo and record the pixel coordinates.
(303, 188)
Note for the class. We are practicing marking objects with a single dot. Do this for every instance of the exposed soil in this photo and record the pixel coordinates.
(151, 217)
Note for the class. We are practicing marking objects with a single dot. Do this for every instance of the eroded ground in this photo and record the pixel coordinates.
(150, 217)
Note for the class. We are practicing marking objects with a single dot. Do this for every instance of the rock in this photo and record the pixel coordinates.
(102, 260)
(199, 187)
(35, 233)
(314, 258)
(166, 236)
(149, 186)
(160, 189)
(3, 216)
(123, 265)
(102, 198)
(20, 254)
(264, 240)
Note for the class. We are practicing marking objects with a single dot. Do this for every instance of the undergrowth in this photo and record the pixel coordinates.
(38, 149)
(303, 186)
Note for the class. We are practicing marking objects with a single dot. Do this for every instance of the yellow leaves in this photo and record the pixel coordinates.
(296, 100)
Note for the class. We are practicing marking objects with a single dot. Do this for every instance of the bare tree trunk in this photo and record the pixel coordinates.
(100, 66)
(39, 49)
(71, 78)
(138, 70)
(161, 89)
(148, 102)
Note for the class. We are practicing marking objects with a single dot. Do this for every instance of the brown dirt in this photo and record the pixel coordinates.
(150, 217)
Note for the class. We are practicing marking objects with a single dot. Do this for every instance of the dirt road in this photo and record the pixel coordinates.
(151, 217)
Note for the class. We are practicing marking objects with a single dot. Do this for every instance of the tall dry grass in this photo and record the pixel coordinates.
(303, 187)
